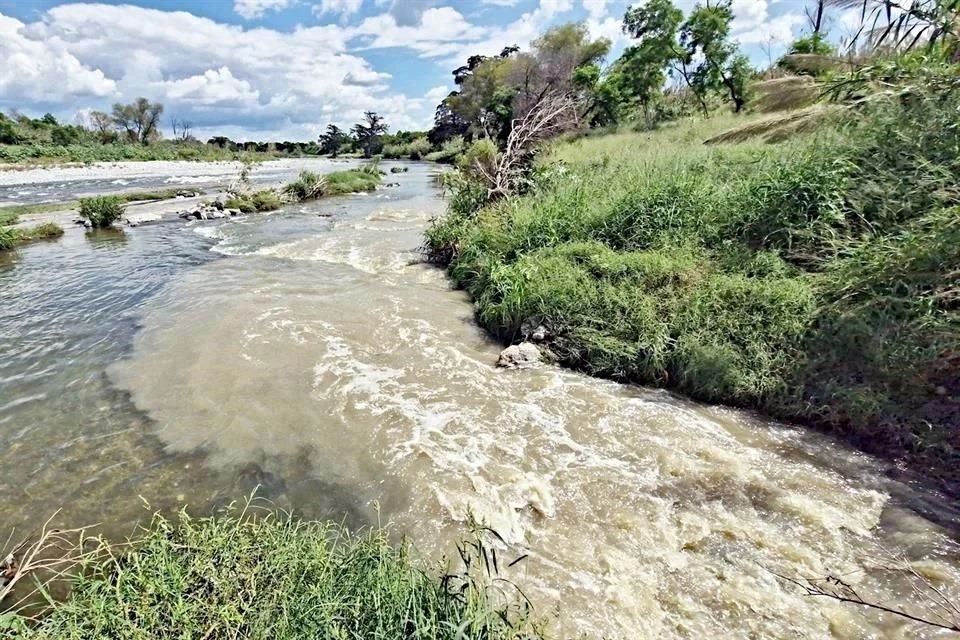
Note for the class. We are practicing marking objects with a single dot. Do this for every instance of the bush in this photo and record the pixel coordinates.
(101, 211)
(277, 578)
(449, 152)
(9, 238)
(307, 186)
(352, 181)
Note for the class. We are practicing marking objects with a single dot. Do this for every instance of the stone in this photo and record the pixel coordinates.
(524, 354)
(233, 212)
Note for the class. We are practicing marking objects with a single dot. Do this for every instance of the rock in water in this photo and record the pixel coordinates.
(519, 355)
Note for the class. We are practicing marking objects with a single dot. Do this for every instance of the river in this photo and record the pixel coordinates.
(309, 352)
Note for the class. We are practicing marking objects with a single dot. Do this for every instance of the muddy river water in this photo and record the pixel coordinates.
(308, 352)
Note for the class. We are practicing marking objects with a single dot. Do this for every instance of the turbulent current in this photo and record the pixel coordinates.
(309, 352)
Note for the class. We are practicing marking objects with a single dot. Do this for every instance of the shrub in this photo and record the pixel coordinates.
(266, 200)
(9, 238)
(352, 181)
(418, 148)
(101, 211)
(449, 152)
(307, 186)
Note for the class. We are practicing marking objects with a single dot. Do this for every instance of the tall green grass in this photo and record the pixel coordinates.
(276, 578)
(816, 279)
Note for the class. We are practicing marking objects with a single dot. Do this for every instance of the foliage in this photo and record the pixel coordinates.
(12, 237)
(101, 211)
(139, 120)
(496, 91)
(815, 280)
(815, 44)
(449, 151)
(274, 577)
(332, 140)
(307, 186)
(369, 133)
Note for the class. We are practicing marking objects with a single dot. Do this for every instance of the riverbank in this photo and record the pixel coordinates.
(275, 577)
(815, 279)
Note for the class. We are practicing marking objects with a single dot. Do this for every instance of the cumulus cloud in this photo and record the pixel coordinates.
(210, 73)
(439, 31)
(344, 8)
(214, 87)
(44, 71)
(252, 9)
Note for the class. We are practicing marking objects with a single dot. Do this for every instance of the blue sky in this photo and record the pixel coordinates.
(284, 69)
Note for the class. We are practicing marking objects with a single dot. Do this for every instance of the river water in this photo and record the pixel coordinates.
(310, 353)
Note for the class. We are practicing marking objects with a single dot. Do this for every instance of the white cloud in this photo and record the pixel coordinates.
(44, 71)
(435, 95)
(596, 9)
(252, 9)
(440, 31)
(214, 87)
(257, 79)
(343, 8)
(752, 23)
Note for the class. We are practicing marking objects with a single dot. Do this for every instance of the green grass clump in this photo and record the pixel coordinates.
(8, 216)
(307, 186)
(101, 211)
(816, 279)
(352, 181)
(449, 152)
(11, 237)
(256, 202)
(276, 578)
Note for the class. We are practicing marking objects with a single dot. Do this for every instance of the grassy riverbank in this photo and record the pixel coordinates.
(817, 279)
(276, 578)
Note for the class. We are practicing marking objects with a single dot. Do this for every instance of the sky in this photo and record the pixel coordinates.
(284, 69)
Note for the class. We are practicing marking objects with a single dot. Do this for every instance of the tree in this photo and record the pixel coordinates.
(706, 38)
(182, 129)
(102, 125)
(140, 119)
(332, 139)
(368, 133)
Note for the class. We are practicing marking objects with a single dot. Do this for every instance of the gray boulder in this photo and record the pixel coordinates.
(524, 354)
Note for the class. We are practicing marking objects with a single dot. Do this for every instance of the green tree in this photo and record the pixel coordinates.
(642, 67)
(139, 120)
(332, 139)
(705, 36)
(369, 133)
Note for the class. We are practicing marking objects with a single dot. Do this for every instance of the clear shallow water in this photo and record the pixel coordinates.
(312, 355)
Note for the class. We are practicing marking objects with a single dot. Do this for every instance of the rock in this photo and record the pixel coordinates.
(143, 218)
(233, 212)
(519, 355)
(539, 334)
(215, 214)
(186, 215)
(940, 390)
(218, 204)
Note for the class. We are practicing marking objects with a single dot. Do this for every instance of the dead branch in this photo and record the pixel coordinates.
(835, 588)
(554, 113)
(48, 556)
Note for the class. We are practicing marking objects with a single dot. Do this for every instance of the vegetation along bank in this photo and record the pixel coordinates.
(805, 264)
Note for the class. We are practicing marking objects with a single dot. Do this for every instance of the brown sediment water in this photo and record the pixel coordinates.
(315, 357)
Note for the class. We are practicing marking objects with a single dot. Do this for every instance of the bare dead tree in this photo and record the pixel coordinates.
(182, 129)
(553, 114)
